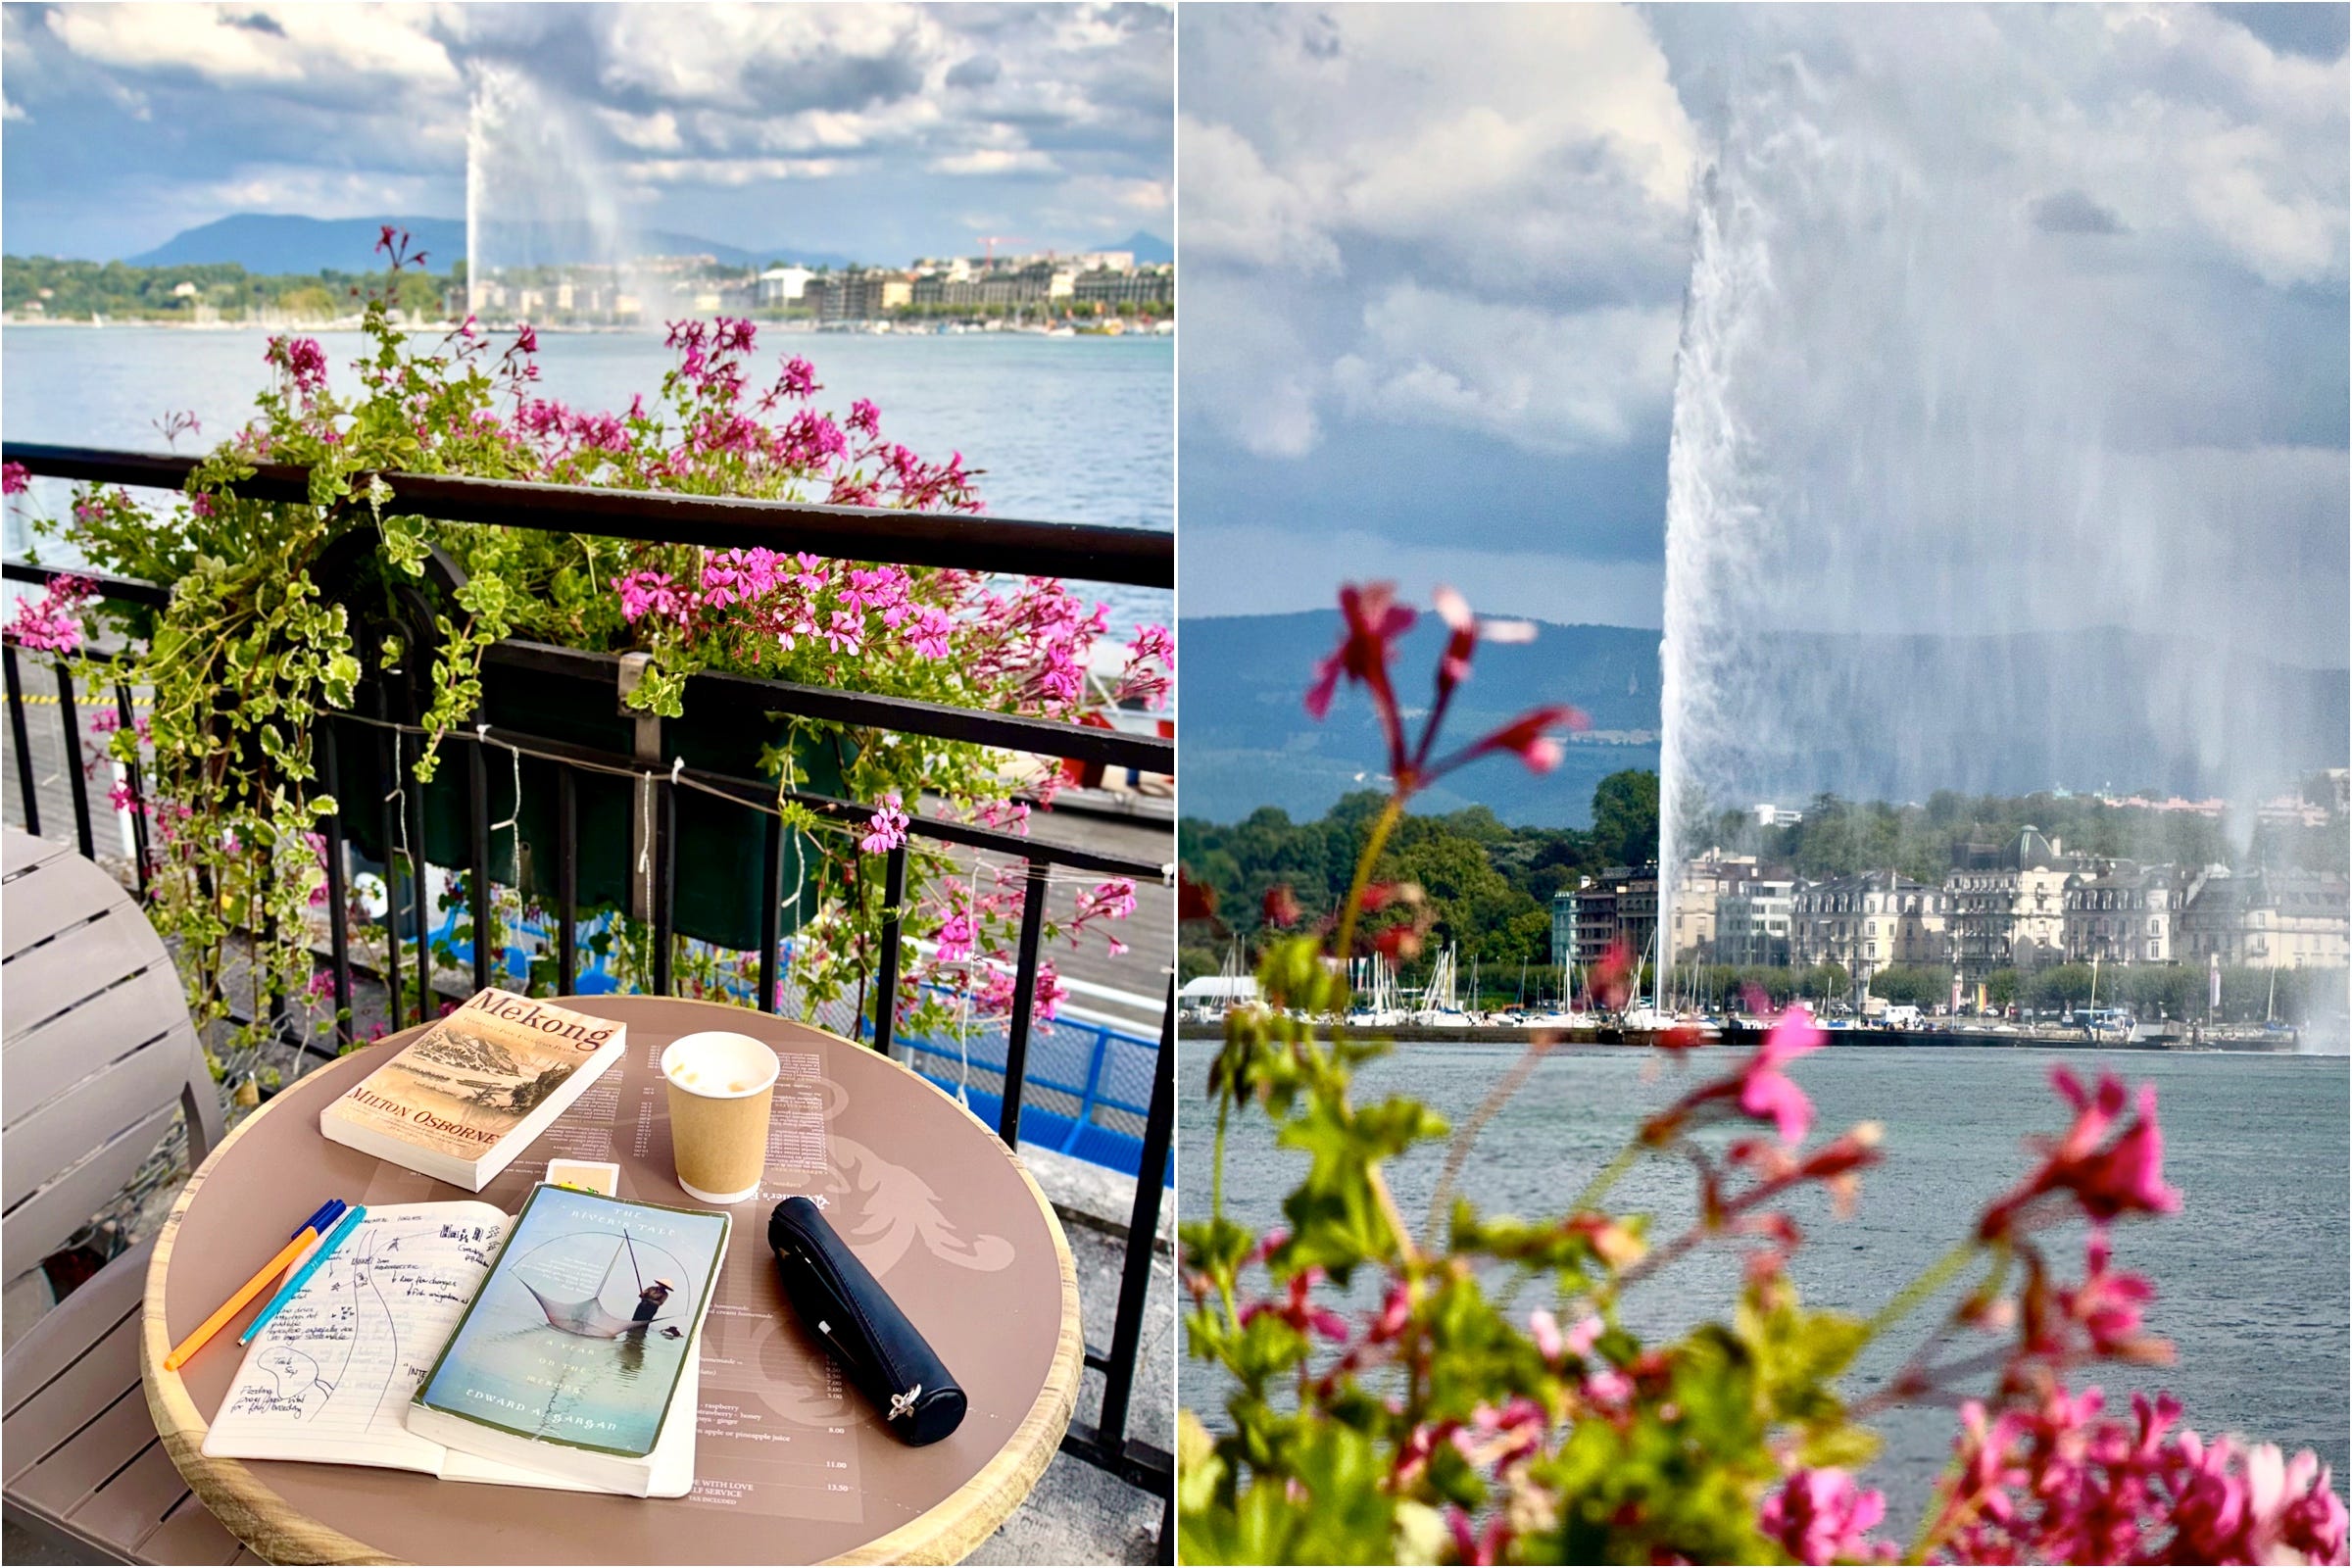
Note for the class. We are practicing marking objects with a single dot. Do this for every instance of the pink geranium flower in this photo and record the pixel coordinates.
(1770, 1095)
(2106, 1179)
(1758, 1088)
(885, 829)
(1822, 1516)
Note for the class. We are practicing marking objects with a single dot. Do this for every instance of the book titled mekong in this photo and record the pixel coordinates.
(461, 1103)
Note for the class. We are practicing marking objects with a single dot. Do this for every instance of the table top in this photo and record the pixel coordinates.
(791, 1464)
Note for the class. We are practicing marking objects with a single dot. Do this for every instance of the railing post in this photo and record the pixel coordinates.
(338, 903)
(665, 888)
(16, 734)
(1094, 1084)
(772, 914)
(886, 988)
(1143, 1231)
(420, 884)
(71, 717)
(137, 780)
(387, 756)
(567, 880)
(478, 834)
(1024, 1003)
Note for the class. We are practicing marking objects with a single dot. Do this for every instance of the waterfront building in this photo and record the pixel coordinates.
(1595, 914)
(1866, 923)
(2125, 914)
(1771, 816)
(1621, 905)
(2006, 904)
(1704, 881)
(857, 294)
(1753, 922)
(1563, 927)
(781, 286)
(2265, 920)
(1039, 282)
(1146, 287)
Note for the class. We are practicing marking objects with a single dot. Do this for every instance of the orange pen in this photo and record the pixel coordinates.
(254, 1287)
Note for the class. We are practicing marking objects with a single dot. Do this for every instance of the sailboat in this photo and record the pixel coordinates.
(1650, 1015)
(1377, 1007)
(1438, 1010)
(588, 1316)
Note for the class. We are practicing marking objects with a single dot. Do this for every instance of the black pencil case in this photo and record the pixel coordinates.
(890, 1362)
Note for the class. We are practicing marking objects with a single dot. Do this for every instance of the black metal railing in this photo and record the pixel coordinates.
(1127, 556)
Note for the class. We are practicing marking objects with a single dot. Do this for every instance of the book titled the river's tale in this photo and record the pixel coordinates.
(576, 1355)
(461, 1101)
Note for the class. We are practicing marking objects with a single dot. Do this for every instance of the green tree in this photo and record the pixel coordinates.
(1625, 817)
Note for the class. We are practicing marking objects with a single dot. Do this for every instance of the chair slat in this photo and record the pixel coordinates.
(53, 897)
(44, 1062)
(79, 965)
(131, 1506)
(191, 1535)
(43, 1422)
(68, 1475)
(21, 851)
(65, 1333)
(35, 1228)
(120, 1095)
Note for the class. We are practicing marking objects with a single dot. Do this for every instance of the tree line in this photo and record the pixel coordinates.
(1488, 885)
(76, 290)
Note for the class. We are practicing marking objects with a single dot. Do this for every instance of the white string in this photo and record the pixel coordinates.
(400, 812)
(964, 995)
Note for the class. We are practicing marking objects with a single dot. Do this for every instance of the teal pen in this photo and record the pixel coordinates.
(302, 1275)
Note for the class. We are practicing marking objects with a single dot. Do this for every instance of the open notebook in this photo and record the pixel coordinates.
(330, 1378)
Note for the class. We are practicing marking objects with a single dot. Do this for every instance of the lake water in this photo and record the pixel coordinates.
(2251, 1275)
(1065, 429)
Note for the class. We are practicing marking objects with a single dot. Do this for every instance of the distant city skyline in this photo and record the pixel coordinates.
(1436, 264)
(881, 131)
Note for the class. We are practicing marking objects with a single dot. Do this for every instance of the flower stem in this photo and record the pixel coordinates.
(1381, 829)
(1606, 1177)
(1932, 1279)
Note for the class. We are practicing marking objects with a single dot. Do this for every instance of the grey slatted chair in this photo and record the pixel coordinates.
(96, 1054)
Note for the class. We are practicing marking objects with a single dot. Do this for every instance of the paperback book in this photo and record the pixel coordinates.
(461, 1101)
(574, 1357)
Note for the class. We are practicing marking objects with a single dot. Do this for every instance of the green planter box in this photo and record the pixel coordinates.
(719, 876)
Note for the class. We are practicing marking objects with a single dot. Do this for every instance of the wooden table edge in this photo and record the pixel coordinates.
(947, 1532)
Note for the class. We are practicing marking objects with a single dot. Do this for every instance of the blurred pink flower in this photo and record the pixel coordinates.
(1821, 1516)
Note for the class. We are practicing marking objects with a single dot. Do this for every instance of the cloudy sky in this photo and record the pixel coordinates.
(1436, 265)
(881, 131)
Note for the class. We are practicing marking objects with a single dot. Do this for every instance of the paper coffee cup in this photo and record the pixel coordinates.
(721, 1088)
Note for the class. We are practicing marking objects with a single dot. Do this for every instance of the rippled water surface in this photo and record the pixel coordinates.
(1066, 429)
(2251, 1275)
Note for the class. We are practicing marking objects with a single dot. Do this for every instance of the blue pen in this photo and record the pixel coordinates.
(334, 1238)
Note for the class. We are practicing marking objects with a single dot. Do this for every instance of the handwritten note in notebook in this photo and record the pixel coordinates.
(330, 1380)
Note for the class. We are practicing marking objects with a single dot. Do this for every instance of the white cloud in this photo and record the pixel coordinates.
(995, 160)
(249, 44)
(1240, 341)
(1541, 379)
(725, 172)
(1472, 217)
(1237, 209)
(678, 99)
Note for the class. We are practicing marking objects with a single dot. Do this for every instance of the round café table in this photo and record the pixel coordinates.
(791, 1464)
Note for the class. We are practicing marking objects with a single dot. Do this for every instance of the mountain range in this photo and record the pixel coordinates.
(1886, 717)
(274, 243)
